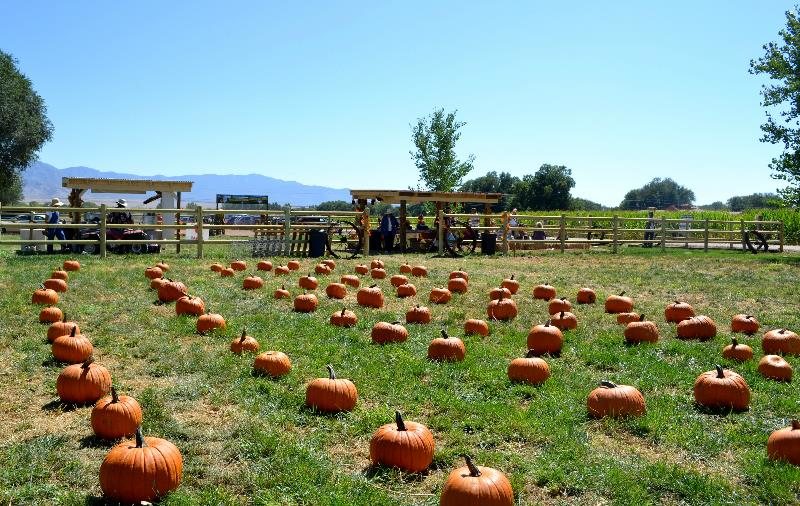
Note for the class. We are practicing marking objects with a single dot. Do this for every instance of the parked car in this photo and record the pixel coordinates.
(26, 218)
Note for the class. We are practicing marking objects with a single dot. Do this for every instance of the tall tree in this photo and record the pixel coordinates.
(754, 201)
(547, 189)
(781, 63)
(24, 127)
(335, 205)
(492, 182)
(435, 138)
(657, 193)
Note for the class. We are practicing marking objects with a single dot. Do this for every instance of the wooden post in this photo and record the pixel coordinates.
(403, 226)
(440, 215)
(705, 237)
(741, 225)
(178, 222)
(505, 231)
(615, 225)
(663, 233)
(366, 225)
(103, 222)
(287, 231)
(198, 218)
(562, 233)
(729, 226)
(487, 209)
(31, 230)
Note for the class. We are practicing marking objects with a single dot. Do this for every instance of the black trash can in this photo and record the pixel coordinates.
(375, 241)
(488, 243)
(317, 240)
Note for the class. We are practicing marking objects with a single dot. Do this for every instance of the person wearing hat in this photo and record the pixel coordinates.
(118, 216)
(52, 218)
(388, 228)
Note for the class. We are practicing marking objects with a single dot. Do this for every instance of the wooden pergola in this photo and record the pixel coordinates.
(403, 197)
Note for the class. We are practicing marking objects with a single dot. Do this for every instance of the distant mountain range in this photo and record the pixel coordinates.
(42, 181)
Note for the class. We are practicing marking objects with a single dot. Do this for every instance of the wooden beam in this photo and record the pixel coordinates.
(403, 226)
(103, 185)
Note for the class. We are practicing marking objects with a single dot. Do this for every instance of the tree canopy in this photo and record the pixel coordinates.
(657, 193)
(24, 127)
(547, 189)
(435, 138)
(493, 182)
(335, 205)
(781, 64)
(754, 201)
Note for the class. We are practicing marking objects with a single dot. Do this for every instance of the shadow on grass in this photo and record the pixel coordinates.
(92, 441)
(97, 501)
(57, 405)
(717, 411)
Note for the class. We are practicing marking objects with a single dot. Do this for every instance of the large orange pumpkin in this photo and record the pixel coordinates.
(529, 369)
(209, 322)
(475, 326)
(239, 265)
(419, 271)
(59, 273)
(744, 323)
(440, 296)
(322, 268)
(252, 283)
(305, 303)
(737, 351)
(72, 348)
(496, 293)
(564, 320)
(558, 305)
(377, 273)
(61, 328)
(281, 293)
(545, 339)
(361, 269)
(72, 265)
(722, 389)
(272, 363)
(331, 395)
(510, 284)
(58, 285)
(447, 348)
(189, 305)
(626, 318)
(377, 264)
(678, 311)
(610, 399)
(264, 265)
(336, 290)
(397, 280)
(384, 332)
(586, 296)
(502, 309)
(775, 367)
(780, 341)
(83, 383)
(461, 273)
(418, 314)
(244, 343)
(371, 296)
(697, 327)
(50, 314)
(116, 416)
(171, 291)
(351, 280)
(457, 285)
(544, 292)
(293, 265)
(344, 318)
(153, 273)
(476, 486)
(619, 304)
(784, 444)
(641, 332)
(308, 282)
(141, 470)
(44, 296)
(407, 290)
(405, 445)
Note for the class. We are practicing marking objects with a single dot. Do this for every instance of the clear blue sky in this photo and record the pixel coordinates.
(324, 92)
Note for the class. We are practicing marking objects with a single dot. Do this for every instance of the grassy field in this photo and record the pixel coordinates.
(249, 440)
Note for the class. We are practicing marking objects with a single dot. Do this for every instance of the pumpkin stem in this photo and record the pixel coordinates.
(547, 323)
(734, 342)
(398, 419)
(561, 315)
(244, 334)
(530, 353)
(398, 322)
(622, 293)
(782, 331)
(343, 309)
(473, 469)
(64, 318)
(140, 443)
(641, 318)
(720, 372)
(114, 396)
(608, 384)
(444, 334)
(512, 277)
(331, 372)
(72, 332)
(795, 424)
(283, 287)
(86, 363)
(373, 286)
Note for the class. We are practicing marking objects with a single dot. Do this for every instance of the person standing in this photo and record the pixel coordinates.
(388, 228)
(53, 218)
(650, 233)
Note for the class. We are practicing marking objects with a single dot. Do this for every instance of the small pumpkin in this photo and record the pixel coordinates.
(406, 290)
(116, 416)
(322, 269)
(252, 283)
(344, 318)
(331, 395)
(397, 280)
(308, 282)
(678, 311)
(244, 343)
(272, 363)
(626, 318)
(440, 296)
(784, 444)
(384, 332)
(477, 327)
(155, 284)
(502, 309)
(419, 271)
(239, 265)
(153, 273)
(558, 305)
(61, 328)
(641, 332)
(418, 314)
(72, 348)
(405, 445)
(496, 293)
(610, 399)
(281, 270)
(217, 267)
(529, 369)
(351, 280)
(44, 296)
(281, 293)
(775, 367)
(722, 389)
(171, 291)
(189, 305)
(586, 296)
(227, 272)
(545, 339)
(336, 290)
(619, 304)
(83, 383)
(459, 274)
(476, 486)
(544, 292)
(405, 269)
(737, 351)
(564, 320)
(744, 323)
(141, 470)
(446, 348)
(697, 327)
(50, 314)
(457, 285)
(362, 269)
(209, 322)
(306, 303)
(264, 265)
(377, 264)
(330, 263)
(58, 285)
(163, 266)
(72, 265)
(371, 296)
(59, 273)
(293, 265)
(510, 284)
(780, 341)
(376, 273)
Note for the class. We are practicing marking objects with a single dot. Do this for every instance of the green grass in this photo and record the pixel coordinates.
(247, 439)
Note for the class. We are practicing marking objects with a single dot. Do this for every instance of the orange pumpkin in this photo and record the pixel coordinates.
(83, 383)
(780, 341)
(376, 264)
(209, 322)
(626, 318)
(344, 318)
(322, 269)
(419, 271)
(746, 324)
(384, 332)
(377, 273)
(678, 311)
(476, 486)
(61, 328)
(370, 297)
(418, 314)
(502, 309)
(351, 280)
(331, 395)
(457, 285)
(281, 270)
(459, 274)
(188, 305)
(252, 283)
(272, 363)
(529, 369)
(475, 326)
(405, 269)
(775, 367)
(239, 265)
(293, 265)
(72, 265)
(405, 445)
(544, 292)
(281, 293)
(153, 273)
(610, 399)
(58, 285)
(440, 296)
(784, 444)
(697, 327)
(510, 284)
(362, 269)
(59, 273)
(264, 265)
(50, 314)
(496, 293)
(397, 280)
(586, 296)
(330, 263)
(722, 389)
(171, 291)
(564, 320)
(163, 266)
(244, 343)
(446, 348)
(227, 272)
(116, 416)
(308, 282)
(407, 290)
(336, 291)
(558, 305)
(72, 348)
(157, 283)
(641, 332)
(737, 351)
(217, 267)
(545, 339)
(305, 303)
(44, 296)
(619, 304)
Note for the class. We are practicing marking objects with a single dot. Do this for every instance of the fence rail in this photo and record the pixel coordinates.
(286, 233)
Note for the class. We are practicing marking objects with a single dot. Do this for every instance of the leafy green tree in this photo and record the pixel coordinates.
(579, 204)
(24, 127)
(335, 205)
(754, 201)
(781, 64)
(715, 206)
(492, 182)
(657, 193)
(547, 189)
(435, 139)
